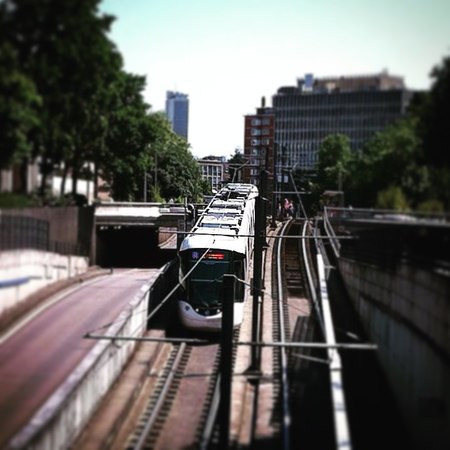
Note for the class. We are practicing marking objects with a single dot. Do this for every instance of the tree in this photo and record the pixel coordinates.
(389, 158)
(63, 47)
(125, 157)
(435, 116)
(19, 109)
(333, 164)
(392, 198)
(235, 164)
(177, 173)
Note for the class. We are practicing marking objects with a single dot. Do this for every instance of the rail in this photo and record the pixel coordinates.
(338, 215)
(286, 422)
(311, 282)
(340, 418)
(161, 396)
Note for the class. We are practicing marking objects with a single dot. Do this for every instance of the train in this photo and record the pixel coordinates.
(221, 242)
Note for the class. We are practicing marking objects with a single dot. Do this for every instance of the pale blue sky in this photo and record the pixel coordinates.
(226, 55)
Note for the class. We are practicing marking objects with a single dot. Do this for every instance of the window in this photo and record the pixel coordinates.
(256, 121)
(255, 141)
(256, 131)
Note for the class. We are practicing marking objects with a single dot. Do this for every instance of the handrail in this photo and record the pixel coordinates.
(341, 426)
(335, 244)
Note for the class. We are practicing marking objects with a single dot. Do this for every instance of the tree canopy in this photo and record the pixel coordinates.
(66, 99)
(407, 164)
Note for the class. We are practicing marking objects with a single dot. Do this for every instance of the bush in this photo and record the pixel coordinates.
(10, 200)
(392, 198)
(431, 206)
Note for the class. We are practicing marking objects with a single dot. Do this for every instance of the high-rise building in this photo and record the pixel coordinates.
(258, 146)
(356, 106)
(177, 111)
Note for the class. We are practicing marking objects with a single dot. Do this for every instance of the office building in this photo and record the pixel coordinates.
(356, 106)
(177, 111)
(258, 146)
(214, 170)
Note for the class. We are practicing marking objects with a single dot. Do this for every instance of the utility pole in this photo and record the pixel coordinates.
(273, 224)
(145, 187)
(226, 355)
(257, 270)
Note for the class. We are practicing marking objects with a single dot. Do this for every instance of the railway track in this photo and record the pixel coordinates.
(304, 406)
(182, 401)
(285, 404)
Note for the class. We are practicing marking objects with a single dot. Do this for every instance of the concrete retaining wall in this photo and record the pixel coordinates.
(406, 311)
(23, 272)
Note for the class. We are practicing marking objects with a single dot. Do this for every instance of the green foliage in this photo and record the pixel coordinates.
(435, 117)
(392, 198)
(63, 47)
(334, 160)
(127, 139)
(65, 97)
(235, 164)
(19, 109)
(9, 200)
(389, 158)
(431, 206)
(412, 155)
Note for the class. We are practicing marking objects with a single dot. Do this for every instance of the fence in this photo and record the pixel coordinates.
(23, 232)
(389, 239)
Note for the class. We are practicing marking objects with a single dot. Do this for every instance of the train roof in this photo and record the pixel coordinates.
(221, 223)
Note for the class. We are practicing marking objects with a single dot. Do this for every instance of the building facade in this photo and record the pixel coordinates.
(177, 111)
(259, 136)
(214, 170)
(356, 106)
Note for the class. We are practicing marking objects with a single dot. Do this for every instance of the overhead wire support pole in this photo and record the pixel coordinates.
(297, 193)
(273, 223)
(257, 273)
(226, 356)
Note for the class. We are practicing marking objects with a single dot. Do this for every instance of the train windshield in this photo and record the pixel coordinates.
(204, 284)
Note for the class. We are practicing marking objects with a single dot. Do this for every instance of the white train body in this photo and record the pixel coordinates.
(221, 242)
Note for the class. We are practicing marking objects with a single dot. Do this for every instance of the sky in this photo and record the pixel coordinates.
(227, 55)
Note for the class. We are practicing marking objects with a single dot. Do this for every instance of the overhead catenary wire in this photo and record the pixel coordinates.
(163, 301)
(265, 236)
(132, 337)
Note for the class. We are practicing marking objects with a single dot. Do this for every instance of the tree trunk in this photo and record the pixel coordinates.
(63, 180)
(95, 180)
(75, 173)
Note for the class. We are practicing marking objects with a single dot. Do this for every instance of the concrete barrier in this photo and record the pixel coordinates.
(24, 272)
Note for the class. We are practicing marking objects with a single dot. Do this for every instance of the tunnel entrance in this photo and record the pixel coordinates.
(130, 247)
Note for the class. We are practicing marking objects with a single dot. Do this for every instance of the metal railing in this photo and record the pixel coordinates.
(24, 232)
(337, 215)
